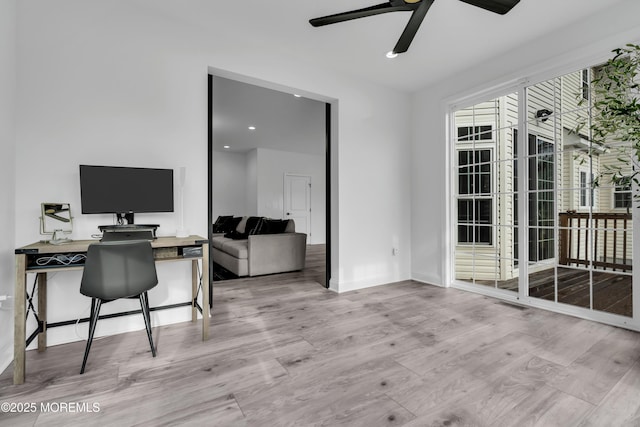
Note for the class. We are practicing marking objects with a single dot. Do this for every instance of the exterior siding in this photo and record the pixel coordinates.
(563, 98)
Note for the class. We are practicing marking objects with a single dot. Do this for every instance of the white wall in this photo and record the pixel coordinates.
(108, 83)
(568, 50)
(7, 173)
(251, 201)
(252, 184)
(105, 97)
(229, 184)
(272, 166)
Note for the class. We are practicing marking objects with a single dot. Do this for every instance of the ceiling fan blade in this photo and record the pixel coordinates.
(359, 13)
(496, 6)
(412, 26)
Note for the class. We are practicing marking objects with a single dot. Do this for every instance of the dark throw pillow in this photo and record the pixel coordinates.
(228, 226)
(253, 222)
(276, 226)
(235, 235)
(220, 226)
(259, 228)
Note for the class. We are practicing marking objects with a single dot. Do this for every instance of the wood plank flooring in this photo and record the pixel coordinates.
(284, 351)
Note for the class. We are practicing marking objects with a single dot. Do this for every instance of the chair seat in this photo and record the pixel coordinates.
(118, 270)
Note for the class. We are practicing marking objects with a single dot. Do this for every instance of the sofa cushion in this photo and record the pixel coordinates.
(236, 248)
(218, 241)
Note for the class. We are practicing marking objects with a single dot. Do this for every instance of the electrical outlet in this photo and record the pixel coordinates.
(395, 251)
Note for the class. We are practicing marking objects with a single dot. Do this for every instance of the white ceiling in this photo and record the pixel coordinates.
(281, 120)
(453, 36)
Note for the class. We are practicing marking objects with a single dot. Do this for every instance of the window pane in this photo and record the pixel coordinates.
(485, 184)
(463, 234)
(483, 235)
(485, 132)
(463, 184)
(485, 156)
(463, 157)
(463, 133)
(464, 211)
(483, 211)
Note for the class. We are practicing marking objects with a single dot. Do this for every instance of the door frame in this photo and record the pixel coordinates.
(330, 180)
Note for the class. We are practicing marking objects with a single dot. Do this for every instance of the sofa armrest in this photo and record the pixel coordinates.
(275, 253)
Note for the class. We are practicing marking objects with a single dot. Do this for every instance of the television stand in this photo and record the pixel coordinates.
(128, 232)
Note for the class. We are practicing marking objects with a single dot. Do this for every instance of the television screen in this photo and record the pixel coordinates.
(114, 189)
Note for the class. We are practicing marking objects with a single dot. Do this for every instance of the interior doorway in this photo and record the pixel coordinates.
(258, 199)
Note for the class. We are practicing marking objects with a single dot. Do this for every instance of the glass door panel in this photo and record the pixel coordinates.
(485, 192)
(576, 215)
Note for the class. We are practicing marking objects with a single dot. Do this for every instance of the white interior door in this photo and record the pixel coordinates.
(297, 201)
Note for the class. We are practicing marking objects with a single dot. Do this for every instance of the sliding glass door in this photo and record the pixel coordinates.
(572, 224)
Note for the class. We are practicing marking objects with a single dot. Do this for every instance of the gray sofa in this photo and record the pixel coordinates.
(258, 251)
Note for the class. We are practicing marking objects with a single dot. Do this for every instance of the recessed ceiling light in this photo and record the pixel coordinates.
(226, 146)
(297, 96)
(252, 128)
(391, 54)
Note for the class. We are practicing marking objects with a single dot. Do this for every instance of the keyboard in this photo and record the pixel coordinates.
(120, 236)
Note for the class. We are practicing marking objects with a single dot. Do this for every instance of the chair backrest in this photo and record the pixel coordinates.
(118, 270)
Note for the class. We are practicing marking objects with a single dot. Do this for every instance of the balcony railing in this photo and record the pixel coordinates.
(603, 240)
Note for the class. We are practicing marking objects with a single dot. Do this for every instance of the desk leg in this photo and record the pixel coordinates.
(19, 328)
(42, 310)
(205, 292)
(194, 289)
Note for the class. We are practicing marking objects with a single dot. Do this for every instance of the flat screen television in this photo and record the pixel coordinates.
(125, 190)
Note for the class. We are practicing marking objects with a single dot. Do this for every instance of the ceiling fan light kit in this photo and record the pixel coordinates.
(419, 9)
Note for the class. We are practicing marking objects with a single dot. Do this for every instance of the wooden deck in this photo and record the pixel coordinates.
(612, 292)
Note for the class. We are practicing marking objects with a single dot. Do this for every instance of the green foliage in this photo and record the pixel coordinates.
(615, 113)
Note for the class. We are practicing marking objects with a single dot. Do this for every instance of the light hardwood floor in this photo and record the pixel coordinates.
(286, 351)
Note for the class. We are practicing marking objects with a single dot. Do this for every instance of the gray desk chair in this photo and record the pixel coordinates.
(115, 270)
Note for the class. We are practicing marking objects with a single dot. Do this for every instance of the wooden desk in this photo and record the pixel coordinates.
(166, 248)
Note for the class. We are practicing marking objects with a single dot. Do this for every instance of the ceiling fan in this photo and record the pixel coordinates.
(419, 9)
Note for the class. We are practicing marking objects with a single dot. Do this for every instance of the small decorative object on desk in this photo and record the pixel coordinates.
(56, 221)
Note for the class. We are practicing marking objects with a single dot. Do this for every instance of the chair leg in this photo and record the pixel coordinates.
(144, 304)
(96, 303)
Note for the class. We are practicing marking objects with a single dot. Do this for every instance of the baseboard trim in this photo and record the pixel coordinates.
(427, 279)
(341, 287)
(6, 357)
